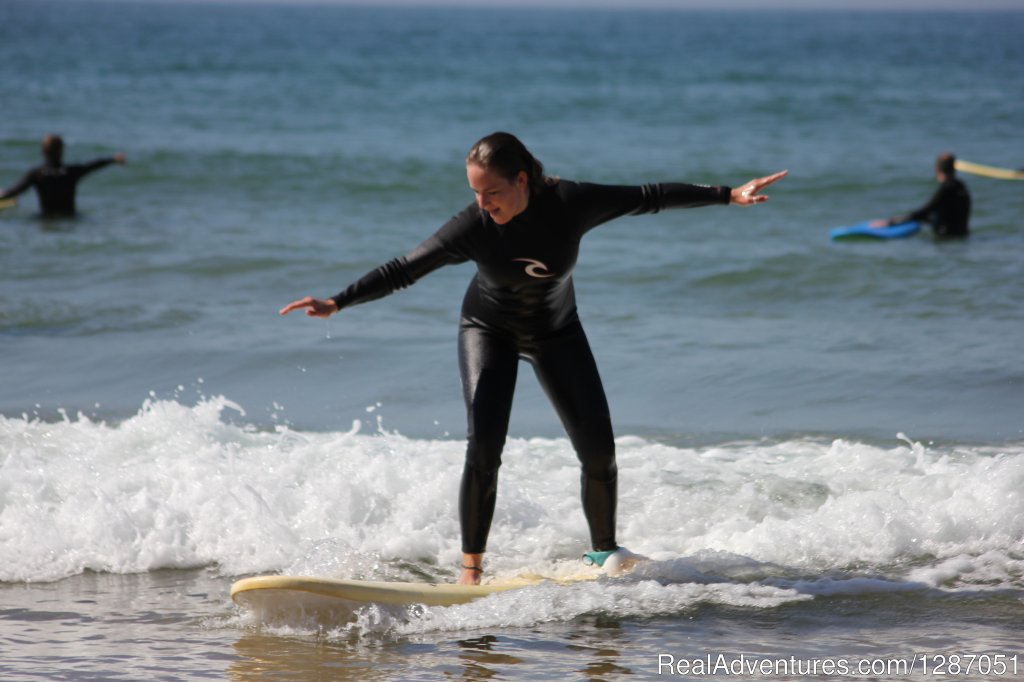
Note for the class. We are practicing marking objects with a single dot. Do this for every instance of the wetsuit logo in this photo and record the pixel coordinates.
(534, 268)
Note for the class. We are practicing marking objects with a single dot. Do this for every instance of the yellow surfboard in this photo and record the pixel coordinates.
(988, 171)
(334, 600)
(269, 587)
(8, 203)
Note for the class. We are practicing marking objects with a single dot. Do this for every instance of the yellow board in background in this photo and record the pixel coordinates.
(8, 203)
(989, 171)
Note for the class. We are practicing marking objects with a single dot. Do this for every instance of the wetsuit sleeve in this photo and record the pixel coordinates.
(601, 203)
(680, 195)
(26, 181)
(82, 169)
(398, 273)
(925, 212)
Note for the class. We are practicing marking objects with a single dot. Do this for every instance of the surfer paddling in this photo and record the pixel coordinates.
(523, 231)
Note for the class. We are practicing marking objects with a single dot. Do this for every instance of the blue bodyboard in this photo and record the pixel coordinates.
(865, 231)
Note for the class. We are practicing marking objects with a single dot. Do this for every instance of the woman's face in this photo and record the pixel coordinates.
(502, 199)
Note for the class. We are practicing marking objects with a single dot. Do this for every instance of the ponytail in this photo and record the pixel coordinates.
(505, 155)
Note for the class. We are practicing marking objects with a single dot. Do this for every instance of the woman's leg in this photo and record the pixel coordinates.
(488, 366)
(567, 371)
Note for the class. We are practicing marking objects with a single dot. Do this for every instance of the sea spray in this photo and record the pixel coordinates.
(179, 486)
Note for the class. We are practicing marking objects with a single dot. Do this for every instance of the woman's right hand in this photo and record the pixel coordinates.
(315, 307)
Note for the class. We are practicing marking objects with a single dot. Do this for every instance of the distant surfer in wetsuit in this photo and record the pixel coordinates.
(55, 183)
(949, 209)
(523, 232)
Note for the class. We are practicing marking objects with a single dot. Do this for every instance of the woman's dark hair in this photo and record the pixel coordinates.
(504, 154)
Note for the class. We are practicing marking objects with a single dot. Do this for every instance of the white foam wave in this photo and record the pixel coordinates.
(185, 486)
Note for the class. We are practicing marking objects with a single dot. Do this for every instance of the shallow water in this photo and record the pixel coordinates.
(175, 625)
(821, 547)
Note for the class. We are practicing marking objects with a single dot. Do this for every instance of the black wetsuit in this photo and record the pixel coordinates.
(947, 211)
(521, 304)
(55, 185)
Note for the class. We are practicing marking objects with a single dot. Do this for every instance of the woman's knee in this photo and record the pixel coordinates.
(602, 469)
(598, 462)
(484, 454)
(595, 449)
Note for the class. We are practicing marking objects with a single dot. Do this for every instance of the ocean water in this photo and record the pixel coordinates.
(820, 444)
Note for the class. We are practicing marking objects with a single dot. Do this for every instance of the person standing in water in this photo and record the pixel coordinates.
(948, 210)
(523, 231)
(55, 182)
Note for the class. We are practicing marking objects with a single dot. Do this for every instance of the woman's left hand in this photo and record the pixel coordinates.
(315, 307)
(747, 195)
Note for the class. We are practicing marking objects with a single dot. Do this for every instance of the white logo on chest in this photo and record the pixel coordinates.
(534, 268)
